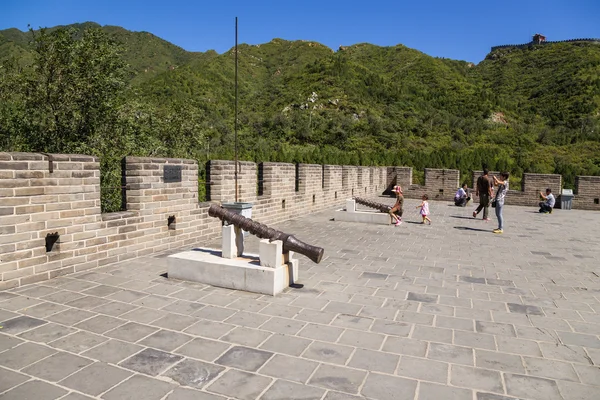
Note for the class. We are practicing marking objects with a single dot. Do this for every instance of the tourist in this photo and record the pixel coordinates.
(502, 184)
(396, 210)
(424, 209)
(484, 190)
(547, 205)
(461, 198)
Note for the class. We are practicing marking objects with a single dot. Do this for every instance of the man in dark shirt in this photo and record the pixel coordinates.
(484, 191)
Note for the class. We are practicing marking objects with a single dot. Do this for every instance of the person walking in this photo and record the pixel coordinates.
(502, 184)
(484, 190)
(424, 209)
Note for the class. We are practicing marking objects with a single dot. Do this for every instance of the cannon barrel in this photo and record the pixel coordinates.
(379, 206)
(290, 243)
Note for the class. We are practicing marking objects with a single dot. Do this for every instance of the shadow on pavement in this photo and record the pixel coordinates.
(462, 217)
(466, 228)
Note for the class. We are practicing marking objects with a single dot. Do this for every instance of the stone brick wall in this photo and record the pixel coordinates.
(279, 190)
(533, 184)
(439, 184)
(350, 180)
(587, 190)
(363, 181)
(397, 176)
(279, 179)
(61, 198)
(310, 178)
(45, 197)
(319, 187)
(333, 179)
(40, 197)
(310, 187)
(152, 201)
(379, 178)
(222, 178)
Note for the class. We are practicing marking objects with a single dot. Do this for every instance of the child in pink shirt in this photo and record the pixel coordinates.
(425, 209)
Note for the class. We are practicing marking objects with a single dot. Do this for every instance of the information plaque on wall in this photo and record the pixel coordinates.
(172, 173)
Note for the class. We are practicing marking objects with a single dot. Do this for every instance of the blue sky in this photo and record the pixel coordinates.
(458, 29)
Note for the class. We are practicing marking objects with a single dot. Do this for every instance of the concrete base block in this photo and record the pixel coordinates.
(242, 273)
(270, 253)
(228, 243)
(368, 217)
(232, 242)
(350, 205)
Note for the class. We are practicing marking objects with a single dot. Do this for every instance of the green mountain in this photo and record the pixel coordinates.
(533, 109)
(559, 83)
(145, 53)
(539, 105)
(13, 45)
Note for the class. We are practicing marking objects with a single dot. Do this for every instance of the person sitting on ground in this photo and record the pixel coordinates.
(396, 210)
(461, 198)
(547, 205)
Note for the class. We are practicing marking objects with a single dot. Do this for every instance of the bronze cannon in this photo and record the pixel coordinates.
(290, 243)
(379, 206)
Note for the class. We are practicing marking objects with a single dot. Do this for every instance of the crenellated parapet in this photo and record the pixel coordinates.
(51, 222)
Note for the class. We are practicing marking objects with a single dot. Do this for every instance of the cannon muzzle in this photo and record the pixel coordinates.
(290, 243)
(378, 206)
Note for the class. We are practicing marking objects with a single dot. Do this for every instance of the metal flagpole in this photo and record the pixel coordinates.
(236, 110)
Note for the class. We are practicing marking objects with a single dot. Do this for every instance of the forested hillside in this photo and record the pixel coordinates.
(526, 110)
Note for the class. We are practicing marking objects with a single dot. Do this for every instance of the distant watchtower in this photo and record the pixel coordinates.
(541, 39)
(538, 39)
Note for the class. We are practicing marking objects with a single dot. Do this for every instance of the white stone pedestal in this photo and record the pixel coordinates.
(271, 253)
(368, 216)
(350, 205)
(233, 241)
(267, 273)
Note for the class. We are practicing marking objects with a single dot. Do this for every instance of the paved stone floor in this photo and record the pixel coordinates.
(447, 311)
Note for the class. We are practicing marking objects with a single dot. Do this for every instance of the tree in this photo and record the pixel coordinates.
(70, 95)
(12, 111)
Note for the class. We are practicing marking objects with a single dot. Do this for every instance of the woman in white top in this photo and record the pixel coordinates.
(502, 184)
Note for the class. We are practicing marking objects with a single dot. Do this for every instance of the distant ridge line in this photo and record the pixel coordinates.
(521, 46)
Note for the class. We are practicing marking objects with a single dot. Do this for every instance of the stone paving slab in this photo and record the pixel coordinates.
(418, 312)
